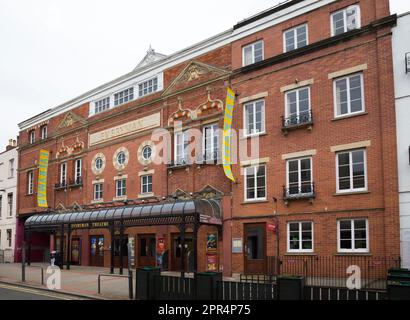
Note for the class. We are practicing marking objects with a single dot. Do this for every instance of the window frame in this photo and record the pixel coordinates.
(253, 52)
(30, 182)
(143, 152)
(245, 119)
(102, 105)
(214, 134)
(147, 183)
(142, 83)
(287, 109)
(125, 98)
(78, 169)
(184, 140)
(32, 136)
(295, 42)
(44, 132)
(347, 78)
(63, 174)
(300, 173)
(353, 250)
(9, 237)
(101, 191)
(122, 187)
(344, 10)
(352, 190)
(255, 173)
(12, 168)
(300, 250)
(10, 204)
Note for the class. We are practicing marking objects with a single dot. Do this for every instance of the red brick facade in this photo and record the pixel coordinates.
(369, 46)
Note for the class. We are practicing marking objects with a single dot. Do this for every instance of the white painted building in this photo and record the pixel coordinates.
(401, 47)
(8, 203)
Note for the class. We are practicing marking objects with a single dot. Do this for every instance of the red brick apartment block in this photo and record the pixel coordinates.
(313, 81)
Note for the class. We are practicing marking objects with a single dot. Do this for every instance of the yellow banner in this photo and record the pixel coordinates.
(226, 147)
(42, 179)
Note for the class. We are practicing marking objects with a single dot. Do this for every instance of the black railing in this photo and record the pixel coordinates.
(245, 291)
(174, 288)
(209, 158)
(297, 120)
(60, 185)
(332, 271)
(178, 163)
(77, 182)
(304, 191)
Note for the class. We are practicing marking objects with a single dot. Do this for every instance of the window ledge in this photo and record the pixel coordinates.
(120, 199)
(253, 136)
(97, 201)
(341, 254)
(350, 116)
(311, 254)
(146, 195)
(254, 201)
(337, 194)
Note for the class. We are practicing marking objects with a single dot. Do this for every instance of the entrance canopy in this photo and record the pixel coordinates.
(195, 211)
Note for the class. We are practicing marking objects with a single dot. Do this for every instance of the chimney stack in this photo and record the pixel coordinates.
(12, 144)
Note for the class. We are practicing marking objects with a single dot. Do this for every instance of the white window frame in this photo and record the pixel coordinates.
(125, 98)
(143, 152)
(297, 90)
(245, 119)
(100, 191)
(253, 52)
(11, 168)
(30, 182)
(177, 145)
(122, 187)
(124, 156)
(300, 237)
(349, 107)
(353, 250)
(44, 132)
(32, 136)
(299, 173)
(146, 183)
(150, 88)
(102, 105)
(96, 163)
(351, 190)
(10, 204)
(255, 171)
(9, 237)
(344, 10)
(214, 134)
(78, 173)
(295, 43)
(63, 174)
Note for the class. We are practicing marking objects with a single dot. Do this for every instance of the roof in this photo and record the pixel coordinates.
(150, 57)
(207, 211)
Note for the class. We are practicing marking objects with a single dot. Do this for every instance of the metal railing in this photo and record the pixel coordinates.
(129, 277)
(304, 191)
(297, 120)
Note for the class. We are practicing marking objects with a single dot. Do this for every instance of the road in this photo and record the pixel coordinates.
(11, 292)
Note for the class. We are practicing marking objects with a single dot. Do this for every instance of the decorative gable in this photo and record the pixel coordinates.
(70, 119)
(195, 73)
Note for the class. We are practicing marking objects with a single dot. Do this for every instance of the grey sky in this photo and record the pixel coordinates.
(52, 51)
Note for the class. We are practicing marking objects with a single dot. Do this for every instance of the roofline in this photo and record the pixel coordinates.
(403, 14)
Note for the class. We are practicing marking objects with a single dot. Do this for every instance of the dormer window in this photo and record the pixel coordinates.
(102, 105)
(345, 20)
(32, 136)
(147, 87)
(124, 96)
(44, 132)
(252, 53)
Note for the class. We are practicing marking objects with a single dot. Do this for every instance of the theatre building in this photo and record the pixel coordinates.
(314, 88)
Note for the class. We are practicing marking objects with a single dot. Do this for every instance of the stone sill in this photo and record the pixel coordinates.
(254, 202)
(343, 254)
(350, 116)
(309, 254)
(350, 193)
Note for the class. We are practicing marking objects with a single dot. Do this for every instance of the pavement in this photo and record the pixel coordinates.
(15, 292)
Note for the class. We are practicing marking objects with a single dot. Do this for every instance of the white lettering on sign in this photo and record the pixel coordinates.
(146, 123)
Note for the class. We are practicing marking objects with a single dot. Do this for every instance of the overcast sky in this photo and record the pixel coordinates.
(52, 51)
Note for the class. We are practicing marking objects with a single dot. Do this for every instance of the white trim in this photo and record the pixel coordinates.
(245, 119)
(339, 249)
(252, 45)
(344, 10)
(300, 237)
(142, 184)
(101, 191)
(215, 133)
(63, 173)
(30, 186)
(297, 91)
(349, 113)
(78, 165)
(351, 189)
(186, 54)
(295, 35)
(255, 181)
(299, 172)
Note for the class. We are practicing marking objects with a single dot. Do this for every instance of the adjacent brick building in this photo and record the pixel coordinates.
(314, 83)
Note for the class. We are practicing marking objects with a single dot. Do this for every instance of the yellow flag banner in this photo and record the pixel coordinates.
(42, 179)
(227, 136)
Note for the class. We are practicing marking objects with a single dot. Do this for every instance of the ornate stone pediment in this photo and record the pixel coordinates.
(209, 192)
(195, 72)
(181, 195)
(70, 119)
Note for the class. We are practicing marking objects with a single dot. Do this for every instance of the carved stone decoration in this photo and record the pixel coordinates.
(209, 192)
(208, 105)
(61, 208)
(115, 162)
(141, 159)
(98, 171)
(70, 119)
(193, 71)
(180, 114)
(78, 145)
(64, 151)
(181, 195)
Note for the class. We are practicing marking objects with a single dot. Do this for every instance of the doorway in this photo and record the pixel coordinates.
(97, 251)
(146, 250)
(75, 251)
(117, 251)
(176, 252)
(255, 248)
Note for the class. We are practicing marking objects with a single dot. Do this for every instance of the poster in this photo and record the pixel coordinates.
(42, 179)
(212, 242)
(212, 262)
(160, 250)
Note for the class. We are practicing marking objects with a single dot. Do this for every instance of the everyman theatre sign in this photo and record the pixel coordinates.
(42, 179)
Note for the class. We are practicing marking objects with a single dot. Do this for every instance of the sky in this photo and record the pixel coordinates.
(52, 51)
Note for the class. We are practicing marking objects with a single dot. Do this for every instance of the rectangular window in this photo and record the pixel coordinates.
(102, 105)
(353, 235)
(148, 87)
(300, 237)
(121, 188)
(297, 108)
(295, 38)
(44, 132)
(32, 136)
(254, 117)
(351, 171)
(63, 174)
(98, 191)
(10, 204)
(252, 53)
(11, 168)
(181, 148)
(299, 177)
(345, 20)
(349, 95)
(124, 96)
(255, 183)
(146, 184)
(9, 237)
(30, 182)
(211, 142)
(78, 171)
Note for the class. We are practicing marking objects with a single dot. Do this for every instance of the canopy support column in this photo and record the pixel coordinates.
(182, 235)
(195, 244)
(68, 248)
(121, 251)
(112, 229)
(29, 247)
(62, 246)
